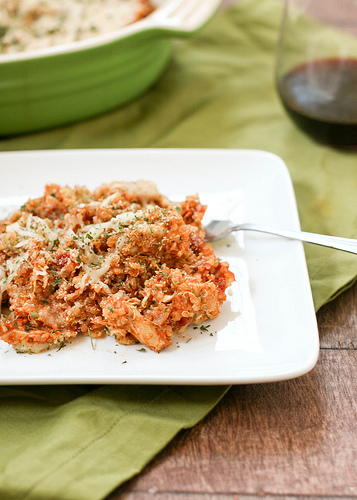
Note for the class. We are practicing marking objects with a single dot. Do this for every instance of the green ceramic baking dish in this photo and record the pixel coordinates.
(67, 83)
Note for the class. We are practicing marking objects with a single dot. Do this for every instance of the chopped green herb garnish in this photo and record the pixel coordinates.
(34, 315)
(91, 340)
(23, 207)
(111, 309)
(141, 350)
(204, 328)
(54, 195)
(27, 327)
(61, 346)
(44, 301)
(188, 340)
(56, 282)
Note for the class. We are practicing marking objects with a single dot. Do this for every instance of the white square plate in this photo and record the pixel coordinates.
(267, 328)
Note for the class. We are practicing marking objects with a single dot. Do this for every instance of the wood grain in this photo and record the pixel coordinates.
(139, 495)
(293, 437)
(338, 322)
(293, 440)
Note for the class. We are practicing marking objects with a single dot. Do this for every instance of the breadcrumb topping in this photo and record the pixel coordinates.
(121, 260)
(37, 24)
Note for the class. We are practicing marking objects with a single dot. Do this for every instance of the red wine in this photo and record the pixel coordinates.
(321, 97)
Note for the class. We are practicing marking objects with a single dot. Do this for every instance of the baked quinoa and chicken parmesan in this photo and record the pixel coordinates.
(121, 260)
(27, 25)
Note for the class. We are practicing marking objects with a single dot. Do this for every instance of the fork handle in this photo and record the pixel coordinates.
(345, 244)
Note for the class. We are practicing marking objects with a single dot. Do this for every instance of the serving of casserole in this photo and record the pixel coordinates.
(89, 65)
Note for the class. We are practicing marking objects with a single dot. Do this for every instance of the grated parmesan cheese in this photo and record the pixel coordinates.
(37, 24)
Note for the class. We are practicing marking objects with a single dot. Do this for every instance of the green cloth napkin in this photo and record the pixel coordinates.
(79, 443)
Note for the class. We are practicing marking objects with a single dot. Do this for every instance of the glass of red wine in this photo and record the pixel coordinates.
(316, 72)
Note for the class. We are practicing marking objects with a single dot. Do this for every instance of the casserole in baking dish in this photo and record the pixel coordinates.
(64, 83)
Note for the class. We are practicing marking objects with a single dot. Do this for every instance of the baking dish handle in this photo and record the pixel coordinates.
(184, 17)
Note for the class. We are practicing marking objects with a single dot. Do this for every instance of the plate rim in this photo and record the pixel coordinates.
(278, 164)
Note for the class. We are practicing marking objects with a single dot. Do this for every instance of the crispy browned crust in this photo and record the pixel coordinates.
(146, 9)
(141, 280)
(24, 24)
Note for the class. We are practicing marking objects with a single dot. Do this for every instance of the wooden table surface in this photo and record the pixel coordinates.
(288, 440)
(285, 440)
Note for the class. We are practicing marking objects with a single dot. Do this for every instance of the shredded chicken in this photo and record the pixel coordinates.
(122, 260)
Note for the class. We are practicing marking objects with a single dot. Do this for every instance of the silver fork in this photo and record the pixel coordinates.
(219, 229)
